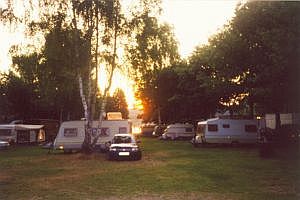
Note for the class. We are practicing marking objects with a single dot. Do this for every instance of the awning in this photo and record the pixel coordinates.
(21, 126)
(28, 127)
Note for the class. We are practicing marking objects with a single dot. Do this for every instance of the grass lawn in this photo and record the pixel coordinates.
(168, 170)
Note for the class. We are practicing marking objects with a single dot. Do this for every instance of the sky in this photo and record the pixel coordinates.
(193, 22)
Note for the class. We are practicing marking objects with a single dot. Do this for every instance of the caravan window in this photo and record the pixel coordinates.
(226, 126)
(188, 130)
(251, 128)
(212, 127)
(5, 132)
(70, 132)
(122, 130)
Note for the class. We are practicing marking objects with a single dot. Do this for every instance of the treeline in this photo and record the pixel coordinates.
(21, 100)
(44, 85)
(250, 67)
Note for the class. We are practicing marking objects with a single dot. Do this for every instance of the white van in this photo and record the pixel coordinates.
(227, 131)
(176, 131)
(71, 133)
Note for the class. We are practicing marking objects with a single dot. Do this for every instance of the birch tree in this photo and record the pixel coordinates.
(96, 22)
(104, 16)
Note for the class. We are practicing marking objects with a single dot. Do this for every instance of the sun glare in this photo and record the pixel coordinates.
(119, 81)
(193, 20)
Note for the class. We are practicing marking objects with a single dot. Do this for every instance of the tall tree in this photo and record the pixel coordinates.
(52, 73)
(152, 49)
(254, 58)
(271, 30)
(99, 23)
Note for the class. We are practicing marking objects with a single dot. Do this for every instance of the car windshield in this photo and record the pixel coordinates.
(122, 139)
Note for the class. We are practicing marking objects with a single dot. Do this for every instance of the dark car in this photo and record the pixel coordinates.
(124, 146)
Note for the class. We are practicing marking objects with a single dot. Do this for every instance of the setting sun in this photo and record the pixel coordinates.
(120, 80)
(149, 99)
(193, 22)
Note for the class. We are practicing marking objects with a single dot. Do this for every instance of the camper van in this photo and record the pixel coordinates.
(227, 131)
(176, 131)
(22, 133)
(71, 133)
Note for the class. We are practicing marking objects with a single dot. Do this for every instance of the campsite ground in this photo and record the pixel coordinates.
(168, 170)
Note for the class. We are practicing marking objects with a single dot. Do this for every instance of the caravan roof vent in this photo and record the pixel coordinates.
(114, 116)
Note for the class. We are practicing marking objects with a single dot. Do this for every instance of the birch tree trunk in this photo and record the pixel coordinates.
(87, 139)
(86, 103)
(113, 67)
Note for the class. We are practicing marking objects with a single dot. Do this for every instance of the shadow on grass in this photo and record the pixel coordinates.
(280, 151)
(228, 146)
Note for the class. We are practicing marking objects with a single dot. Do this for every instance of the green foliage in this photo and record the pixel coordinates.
(250, 67)
(52, 75)
(117, 103)
(183, 96)
(271, 30)
(253, 60)
(153, 48)
(18, 98)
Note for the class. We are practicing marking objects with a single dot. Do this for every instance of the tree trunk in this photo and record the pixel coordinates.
(86, 99)
(106, 91)
(86, 145)
(96, 66)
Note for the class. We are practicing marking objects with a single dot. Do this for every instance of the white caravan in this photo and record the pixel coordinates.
(71, 133)
(176, 131)
(22, 133)
(227, 131)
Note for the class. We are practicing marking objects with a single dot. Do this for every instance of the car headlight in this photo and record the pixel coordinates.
(135, 149)
(113, 149)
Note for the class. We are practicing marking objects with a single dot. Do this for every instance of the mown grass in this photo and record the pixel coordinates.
(168, 170)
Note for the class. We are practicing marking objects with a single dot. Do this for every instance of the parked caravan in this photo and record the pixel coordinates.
(71, 133)
(176, 131)
(227, 131)
(51, 127)
(285, 119)
(22, 133)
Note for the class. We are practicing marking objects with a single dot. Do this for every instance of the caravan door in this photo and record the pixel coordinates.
(200, 133)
